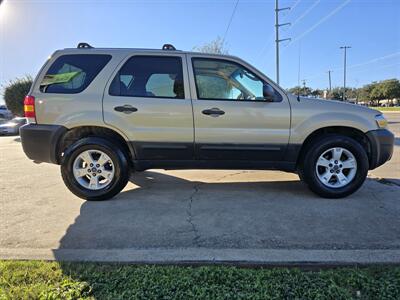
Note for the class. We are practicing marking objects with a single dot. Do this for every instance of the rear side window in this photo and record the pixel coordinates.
(71, 74)
(150, 76)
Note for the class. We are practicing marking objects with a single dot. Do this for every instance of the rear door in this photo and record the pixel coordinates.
(148, 99)
(232, 119)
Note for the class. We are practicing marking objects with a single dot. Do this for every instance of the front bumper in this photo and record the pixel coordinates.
(382, 143)
(40, 142)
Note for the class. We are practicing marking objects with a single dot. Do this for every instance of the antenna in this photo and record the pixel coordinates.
(298, 74)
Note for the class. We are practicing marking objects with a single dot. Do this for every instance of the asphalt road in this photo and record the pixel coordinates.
(202, 215)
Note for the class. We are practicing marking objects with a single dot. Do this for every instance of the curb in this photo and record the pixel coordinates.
(272, 257)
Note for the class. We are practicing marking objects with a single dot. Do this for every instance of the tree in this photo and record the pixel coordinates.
(335, 94)
(390, 89)
(15, 92)
(351, 93)
(365, 92)
(215, 46)
(317, 93)
(376, 93)
(301, 90)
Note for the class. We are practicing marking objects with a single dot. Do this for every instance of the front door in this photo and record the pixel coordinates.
(232, 118)
(149, 100)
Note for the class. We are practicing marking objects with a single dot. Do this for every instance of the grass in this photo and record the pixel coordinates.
(52, 280)
(383, 109)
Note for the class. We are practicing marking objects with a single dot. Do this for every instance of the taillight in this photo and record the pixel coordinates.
(29, 107)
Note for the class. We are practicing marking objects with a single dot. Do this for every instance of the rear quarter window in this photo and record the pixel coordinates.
(71, 74)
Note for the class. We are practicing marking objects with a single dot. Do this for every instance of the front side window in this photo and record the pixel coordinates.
(150, 76)
(70, 74)
(224, 80)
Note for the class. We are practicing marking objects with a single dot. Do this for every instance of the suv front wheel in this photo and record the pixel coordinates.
(335, 166)
(95, 169)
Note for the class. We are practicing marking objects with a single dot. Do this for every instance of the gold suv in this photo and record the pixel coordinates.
(101, 113)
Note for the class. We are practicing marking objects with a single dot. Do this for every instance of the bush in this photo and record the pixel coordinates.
(15, 92)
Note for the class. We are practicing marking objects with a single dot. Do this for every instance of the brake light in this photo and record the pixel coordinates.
(29, 107)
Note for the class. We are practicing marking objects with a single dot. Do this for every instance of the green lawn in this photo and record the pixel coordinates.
(383, 109)
(52, 280)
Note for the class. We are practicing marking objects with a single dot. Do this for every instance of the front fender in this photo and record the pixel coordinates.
(303, 127)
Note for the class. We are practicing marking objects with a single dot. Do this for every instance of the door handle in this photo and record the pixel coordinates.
(127, 109)
(215, 112)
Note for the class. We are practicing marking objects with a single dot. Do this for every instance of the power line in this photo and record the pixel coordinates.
(379, 67)
(375, 60)
(295, 4)
(299, 65)
(306, 12)
(230, 21)
(333, 12)
(355, 72)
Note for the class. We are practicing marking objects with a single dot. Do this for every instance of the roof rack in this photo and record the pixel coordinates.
(84, 45)
(168, 47)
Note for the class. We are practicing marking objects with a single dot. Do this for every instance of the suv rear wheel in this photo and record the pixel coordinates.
(335, 166)
(95, 169)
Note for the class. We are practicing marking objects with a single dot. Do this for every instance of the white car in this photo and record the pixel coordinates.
(5, 114)
(12, 127)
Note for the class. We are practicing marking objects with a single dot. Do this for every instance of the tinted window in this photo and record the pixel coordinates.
(224, 80)
(149, 76)
(71, 74)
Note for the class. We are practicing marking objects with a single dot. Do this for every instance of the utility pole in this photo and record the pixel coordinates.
(330, 81)
(277, 40)
(344, 73)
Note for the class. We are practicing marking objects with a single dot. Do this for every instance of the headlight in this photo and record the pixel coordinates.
(381, 121)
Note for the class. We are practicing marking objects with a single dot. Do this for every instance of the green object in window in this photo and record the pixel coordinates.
(59, 78)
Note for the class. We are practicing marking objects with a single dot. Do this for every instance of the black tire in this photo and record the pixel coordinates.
(120, 164)
(317, 148)
(300, 173)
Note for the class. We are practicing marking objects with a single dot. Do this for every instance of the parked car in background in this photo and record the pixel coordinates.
(5, 114)
(12, 127)
(101, 113)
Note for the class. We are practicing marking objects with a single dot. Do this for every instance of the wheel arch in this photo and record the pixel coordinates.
(350, 132)
(76, 133)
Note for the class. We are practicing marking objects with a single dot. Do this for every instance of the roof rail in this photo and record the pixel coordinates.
(84, 45)
(168, 47)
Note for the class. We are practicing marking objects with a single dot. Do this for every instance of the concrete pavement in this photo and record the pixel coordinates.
(197, 216)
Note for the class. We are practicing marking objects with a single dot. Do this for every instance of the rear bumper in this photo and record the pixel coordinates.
(382, 143)
(40, 142)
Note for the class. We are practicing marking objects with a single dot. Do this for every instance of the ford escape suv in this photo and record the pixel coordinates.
(103, 113)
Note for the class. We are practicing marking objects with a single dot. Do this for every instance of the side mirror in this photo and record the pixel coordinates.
(268, 93)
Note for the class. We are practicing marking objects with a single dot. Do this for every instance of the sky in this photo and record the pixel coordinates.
(31, 30)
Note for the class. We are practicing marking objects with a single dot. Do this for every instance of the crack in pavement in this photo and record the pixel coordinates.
(190, 214)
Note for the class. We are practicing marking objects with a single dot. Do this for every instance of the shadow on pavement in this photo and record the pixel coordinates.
(159, 211)
(162, 211)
